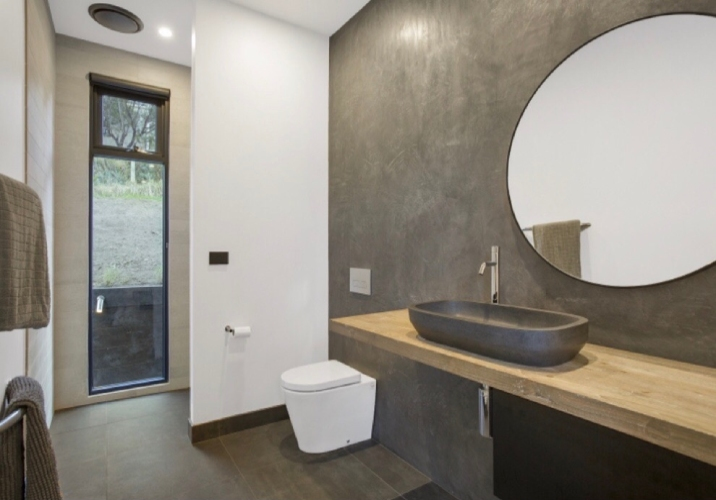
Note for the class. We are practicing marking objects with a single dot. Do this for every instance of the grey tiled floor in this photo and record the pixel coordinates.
(139, 449)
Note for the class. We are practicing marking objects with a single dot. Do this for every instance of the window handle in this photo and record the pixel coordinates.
(100, 304)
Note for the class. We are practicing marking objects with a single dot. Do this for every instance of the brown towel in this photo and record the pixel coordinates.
(42, 480)
(558, 242)
(24, 281)
(12, 474)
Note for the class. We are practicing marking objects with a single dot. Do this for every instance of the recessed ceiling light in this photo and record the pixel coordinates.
(165, 32)
(115, 18)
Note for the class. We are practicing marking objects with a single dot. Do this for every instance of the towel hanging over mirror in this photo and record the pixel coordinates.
(559, 244)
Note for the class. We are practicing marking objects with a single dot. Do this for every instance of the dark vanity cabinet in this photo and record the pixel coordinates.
(541, 453)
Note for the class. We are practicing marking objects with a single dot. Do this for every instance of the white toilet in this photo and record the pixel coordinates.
(330, 404)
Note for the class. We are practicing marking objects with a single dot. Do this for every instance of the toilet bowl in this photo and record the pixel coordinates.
(330, 405)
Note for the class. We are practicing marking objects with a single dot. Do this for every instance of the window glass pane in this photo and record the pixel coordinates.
(129, 124)
(128, 222)
(128, 326)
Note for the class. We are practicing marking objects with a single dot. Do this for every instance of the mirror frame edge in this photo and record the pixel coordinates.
(512, 139)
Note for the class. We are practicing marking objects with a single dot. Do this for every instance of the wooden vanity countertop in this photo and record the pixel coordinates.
(668, 403)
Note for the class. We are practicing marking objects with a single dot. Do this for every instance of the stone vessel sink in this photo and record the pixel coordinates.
(517, 334)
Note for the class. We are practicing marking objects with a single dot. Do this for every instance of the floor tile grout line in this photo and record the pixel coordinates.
(402, 460)
(450, 495)
(151, 414)
(106, 463)
(107, 422)
(59, 433)
(237, 468)
(356, 461)
(103, 429)
(400, 495)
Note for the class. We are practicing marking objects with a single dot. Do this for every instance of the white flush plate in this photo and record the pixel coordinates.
(360, 281)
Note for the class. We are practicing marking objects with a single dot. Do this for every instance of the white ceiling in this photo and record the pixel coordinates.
(322, 16)
(71, 19)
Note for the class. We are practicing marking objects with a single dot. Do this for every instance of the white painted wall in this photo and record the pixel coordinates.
(259, 191)
(12, 147)
(12, 356)
(12, 89)
(621, 135)
(40, 117)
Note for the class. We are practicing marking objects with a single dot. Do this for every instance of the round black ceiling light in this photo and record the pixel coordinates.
(115, 18)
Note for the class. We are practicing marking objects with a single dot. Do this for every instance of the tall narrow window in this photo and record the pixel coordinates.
(129, 139)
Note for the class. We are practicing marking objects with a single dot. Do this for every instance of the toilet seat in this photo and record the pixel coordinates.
(330, 405)
(319, 377)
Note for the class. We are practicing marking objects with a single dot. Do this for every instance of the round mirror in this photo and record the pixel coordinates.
(612, 168)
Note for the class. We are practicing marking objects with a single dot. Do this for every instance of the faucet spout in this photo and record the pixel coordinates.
(495, 277)
(490, 263)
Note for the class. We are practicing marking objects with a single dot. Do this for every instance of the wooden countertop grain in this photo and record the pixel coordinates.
(668, 403)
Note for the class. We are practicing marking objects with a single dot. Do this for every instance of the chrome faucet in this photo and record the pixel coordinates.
(495, 274)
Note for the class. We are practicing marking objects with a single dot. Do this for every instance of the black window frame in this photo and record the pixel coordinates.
(100, 86)
(105, 86)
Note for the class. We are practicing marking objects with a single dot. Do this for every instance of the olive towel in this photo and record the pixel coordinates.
(41, 482)
(24, 282)
(559, 244)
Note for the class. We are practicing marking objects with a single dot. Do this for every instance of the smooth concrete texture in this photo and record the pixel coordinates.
(75, 60)
(40, 96)
(426, 416)
(425, 96)
(260, 192)
(12, 148)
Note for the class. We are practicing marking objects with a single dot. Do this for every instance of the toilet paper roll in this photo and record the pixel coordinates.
(238, 331)
(242, 331)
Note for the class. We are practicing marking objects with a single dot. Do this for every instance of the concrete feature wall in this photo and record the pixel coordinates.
(427, 416)
(40, 168)
(260, 192)
(12, 147)
(425, 97)
(75, 60)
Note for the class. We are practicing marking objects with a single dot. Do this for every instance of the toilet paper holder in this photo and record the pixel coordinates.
(239, 331)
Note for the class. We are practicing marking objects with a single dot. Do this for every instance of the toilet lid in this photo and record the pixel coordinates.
(319, 376)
